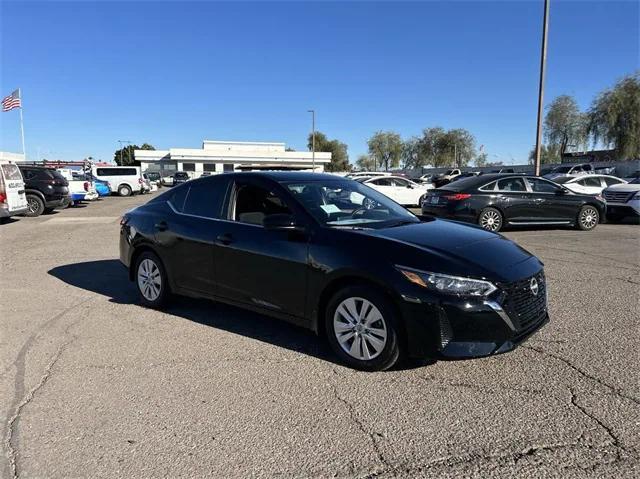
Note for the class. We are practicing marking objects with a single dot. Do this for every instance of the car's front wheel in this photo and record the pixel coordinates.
(151, 280)
(490, 219)
(588, 218)
(362, 328)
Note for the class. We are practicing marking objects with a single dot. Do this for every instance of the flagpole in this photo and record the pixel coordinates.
(24, 153)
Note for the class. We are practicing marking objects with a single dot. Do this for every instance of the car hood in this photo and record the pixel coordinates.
(625, 187)
(468, 249)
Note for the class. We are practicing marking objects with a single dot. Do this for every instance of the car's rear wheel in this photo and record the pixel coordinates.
(361, 326)
(124, 190)
(35, 206)
(588, 218)
(151, 280)
(490, 219)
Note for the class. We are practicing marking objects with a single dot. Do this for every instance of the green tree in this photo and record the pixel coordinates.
(548, 154)
(385, 147)
(614, 117)
(366, 163)
(564, 124)
(338, 150)
(126, 156)
(481, 160)
(410, 153)
(445, 148)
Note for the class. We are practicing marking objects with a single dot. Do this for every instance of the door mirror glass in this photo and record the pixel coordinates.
(281, 222)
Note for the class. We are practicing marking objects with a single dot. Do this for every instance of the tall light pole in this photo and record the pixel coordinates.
(313, 138)
(543, 64)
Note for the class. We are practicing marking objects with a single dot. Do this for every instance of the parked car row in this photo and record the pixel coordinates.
(31, 189)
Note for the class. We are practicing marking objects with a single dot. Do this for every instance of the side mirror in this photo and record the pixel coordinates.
(562, 191)
(281, 222)
(410, 186)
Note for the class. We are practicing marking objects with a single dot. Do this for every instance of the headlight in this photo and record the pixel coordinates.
(447, 284)
(637, 196)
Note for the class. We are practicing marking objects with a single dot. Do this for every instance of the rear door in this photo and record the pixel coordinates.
(187, 233)
(13, 187)
(590, 184)
(404, 191)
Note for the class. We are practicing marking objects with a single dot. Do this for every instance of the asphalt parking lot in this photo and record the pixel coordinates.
(94, 385)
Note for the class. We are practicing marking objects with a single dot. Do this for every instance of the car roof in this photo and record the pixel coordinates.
(286, 176)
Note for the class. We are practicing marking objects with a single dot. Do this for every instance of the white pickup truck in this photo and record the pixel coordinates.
(80, 188)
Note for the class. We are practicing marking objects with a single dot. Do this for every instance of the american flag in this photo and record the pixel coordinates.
(12, 101)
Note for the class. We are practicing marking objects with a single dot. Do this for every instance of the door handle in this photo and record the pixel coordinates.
(161, 226)
(224, 239)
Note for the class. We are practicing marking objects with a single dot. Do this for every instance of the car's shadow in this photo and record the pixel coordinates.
(109, 278)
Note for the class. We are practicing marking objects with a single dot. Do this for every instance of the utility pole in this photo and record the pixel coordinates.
(543, 64)
(313, 138)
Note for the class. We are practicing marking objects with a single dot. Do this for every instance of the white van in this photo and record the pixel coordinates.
(13, 200)
(126, 180)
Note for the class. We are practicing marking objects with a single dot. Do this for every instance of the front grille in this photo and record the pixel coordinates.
(617, 196)
(523, 307)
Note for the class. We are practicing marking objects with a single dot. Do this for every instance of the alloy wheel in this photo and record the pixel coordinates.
(149, 279)
(491, 220)
(360, 328)
(589, 218)
(32, 205)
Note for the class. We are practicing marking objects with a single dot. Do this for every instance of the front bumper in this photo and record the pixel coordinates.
(454, 327)
(630, 208)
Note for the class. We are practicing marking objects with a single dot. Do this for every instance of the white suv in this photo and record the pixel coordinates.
(126, 180)
(623, 200)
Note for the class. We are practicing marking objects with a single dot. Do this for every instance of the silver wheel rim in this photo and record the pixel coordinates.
(490, 220)
(149, 279)
(360, 328)
(589, 218)
(368, 203)
(32, 205)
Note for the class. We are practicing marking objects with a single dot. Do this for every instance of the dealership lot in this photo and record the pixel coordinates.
(91, 381)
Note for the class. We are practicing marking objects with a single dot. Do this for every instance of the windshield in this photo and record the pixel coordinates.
(346, 203)
(562, 169)
(635, 182)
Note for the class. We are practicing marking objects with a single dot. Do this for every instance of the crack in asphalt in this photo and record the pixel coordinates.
(372, 436)
(593, 255)
(618, 392)
(614, 439)
(20, 363)
(493, 389)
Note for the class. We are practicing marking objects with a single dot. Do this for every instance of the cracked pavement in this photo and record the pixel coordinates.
(91, 384)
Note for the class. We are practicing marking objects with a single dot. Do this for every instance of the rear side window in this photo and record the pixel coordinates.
(590, 182)
(117, 172)
(490, 187)
(511, 184)
(205, 198)
(177, 197)
(612, 181)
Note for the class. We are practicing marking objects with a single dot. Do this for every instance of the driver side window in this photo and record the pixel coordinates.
(254, 203)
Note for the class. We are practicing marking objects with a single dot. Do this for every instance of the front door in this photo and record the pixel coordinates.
(256, 266)
(516, 200)
(557, 205)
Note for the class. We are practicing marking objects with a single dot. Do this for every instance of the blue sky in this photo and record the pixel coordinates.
(175, 73)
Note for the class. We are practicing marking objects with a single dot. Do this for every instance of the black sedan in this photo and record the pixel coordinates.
(339, 258)
(493, 201)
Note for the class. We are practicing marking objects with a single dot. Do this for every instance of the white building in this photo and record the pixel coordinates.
(221, 156)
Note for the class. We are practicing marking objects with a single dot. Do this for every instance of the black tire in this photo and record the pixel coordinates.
(491, 219)
(35, 205)
(588, 218)
(124, 190)
(421, 200)
(164, 290)
(389, 353)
